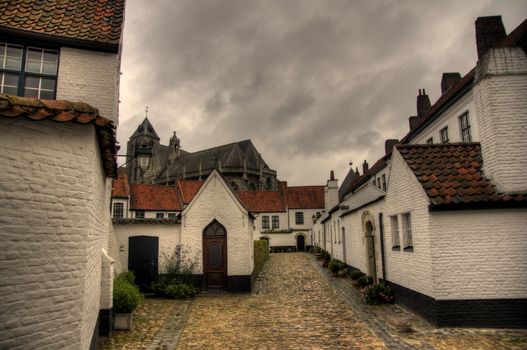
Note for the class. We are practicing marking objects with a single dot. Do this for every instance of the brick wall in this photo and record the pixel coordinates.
(90, 77)
(500, 94)
(51, 210)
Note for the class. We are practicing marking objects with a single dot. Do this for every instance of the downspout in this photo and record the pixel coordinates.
(381, 232)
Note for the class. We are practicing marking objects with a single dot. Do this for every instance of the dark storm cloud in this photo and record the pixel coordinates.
(312, 83)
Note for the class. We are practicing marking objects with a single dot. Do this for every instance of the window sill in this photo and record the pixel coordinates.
(396, 247)
(408, 249)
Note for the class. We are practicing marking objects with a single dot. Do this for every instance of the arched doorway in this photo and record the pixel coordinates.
(368, 226)
(215, 256)
(143, 259)
(300, 243)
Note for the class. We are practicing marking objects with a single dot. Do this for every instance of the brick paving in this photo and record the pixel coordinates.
(296, 304)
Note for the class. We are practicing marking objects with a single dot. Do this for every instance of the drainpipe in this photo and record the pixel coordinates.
(381, 232)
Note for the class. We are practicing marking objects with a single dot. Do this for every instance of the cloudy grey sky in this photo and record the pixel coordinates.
(314, 84)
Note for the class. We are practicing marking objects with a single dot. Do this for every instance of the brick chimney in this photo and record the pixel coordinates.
(423, 104)
(388, 145)
(413, 121)
(448, 80)
(365, 167)
(331, 192)
(489, 31)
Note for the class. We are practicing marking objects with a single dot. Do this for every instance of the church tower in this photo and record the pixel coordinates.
(144, 137)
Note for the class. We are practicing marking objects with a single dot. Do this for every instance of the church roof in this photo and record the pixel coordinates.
(452, 176)
(145, 129)
(262, 201)
(66, 111)
(98, 21)
(154, 197)
(305, 197)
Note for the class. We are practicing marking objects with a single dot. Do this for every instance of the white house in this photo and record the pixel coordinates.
(57, 160)
(441, 215)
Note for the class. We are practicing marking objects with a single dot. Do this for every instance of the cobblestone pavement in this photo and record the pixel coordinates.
(296, 304)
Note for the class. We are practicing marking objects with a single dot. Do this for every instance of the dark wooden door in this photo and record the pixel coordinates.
(300, 243)
(143, 259)
(215, 256)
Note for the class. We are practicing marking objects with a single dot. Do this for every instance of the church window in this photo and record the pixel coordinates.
(396, 244)
(299, 218)
(444, 134)
(464, 126)
(276, 221)
(140, 214)
(407, 232)
(160, 215)
(118, 210)
(28, 71)
(383, 177)
(265, 222)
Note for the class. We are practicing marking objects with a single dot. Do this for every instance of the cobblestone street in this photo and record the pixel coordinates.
(298, 305)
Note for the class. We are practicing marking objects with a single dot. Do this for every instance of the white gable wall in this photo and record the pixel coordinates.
(215, 200)
(410, 269)
(479, 254)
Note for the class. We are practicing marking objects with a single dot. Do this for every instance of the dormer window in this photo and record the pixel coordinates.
(28, 71)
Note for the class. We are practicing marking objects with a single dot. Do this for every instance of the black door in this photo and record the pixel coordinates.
(142, 259)
(300, 244)
(215, 256)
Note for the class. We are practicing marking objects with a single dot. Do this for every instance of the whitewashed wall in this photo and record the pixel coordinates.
(90, 77)
(169, 237)
(53, 226)
(216, 201)
(282, 217)
(479, 254)
(410, 269)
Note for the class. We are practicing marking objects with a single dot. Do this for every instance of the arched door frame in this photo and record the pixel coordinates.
(214, 243)
(368, 228)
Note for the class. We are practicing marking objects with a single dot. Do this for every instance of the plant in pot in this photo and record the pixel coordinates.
(334, 266)
(327, 257)
(126, 298)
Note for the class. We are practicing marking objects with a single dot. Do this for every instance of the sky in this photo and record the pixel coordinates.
(314, 84)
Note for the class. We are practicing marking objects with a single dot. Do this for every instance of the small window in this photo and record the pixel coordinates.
(464, 126)
(139, 214)
(407, 232)
(299, 218)
(172, 215)
(265, 222)
(118, 210)
(276, 222)
(444, 134)
(160, 215)
(335, 230)
(396, 245)
(384, 182)
(430, 141)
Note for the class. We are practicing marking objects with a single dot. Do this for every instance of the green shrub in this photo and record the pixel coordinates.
(126, 295)
(356, 274)
(261, 254)
(326, 256)
(365, 281)
(127, 276)
(180, 291)
(377, 294)
(335, 265)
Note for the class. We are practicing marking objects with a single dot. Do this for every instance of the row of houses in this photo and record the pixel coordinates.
(441, 216)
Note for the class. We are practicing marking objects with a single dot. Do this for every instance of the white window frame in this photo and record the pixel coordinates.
(115, 210)
(443, 135)
(299, 218)
(265, 222)
(139, 214)
(464, 126)
(406, 219)
(275, 219)
(396, 242)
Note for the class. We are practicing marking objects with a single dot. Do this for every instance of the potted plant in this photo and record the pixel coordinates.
(126, 298)
(327, 257)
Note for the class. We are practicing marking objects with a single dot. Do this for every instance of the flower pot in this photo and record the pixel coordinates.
(122, 321)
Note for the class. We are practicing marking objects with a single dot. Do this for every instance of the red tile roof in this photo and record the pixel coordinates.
(451, 175)
(89, 20)
(305, 197)
(66, 111)
(188, 189)
(154, 197)
(121, 188)
(262, 201)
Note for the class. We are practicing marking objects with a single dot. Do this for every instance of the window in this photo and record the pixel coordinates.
(265, 222)
(464, 126)
(118, 210)
(444, 134)
(396, 245)
(140, 214)
(28, 71)
(299, 218)
(172, 215)
(430, 141)
(335, 230)
(160, 215)
(407, 232)
(384, 182)
(276, 221)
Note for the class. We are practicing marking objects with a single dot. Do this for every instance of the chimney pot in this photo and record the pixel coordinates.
(423, 104)
(331, 175)
(489, 32)
(365, 167)
(448, 80)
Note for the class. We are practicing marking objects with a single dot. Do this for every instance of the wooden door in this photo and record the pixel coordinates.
(215, 256)
(300, 243)
(143, 259)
